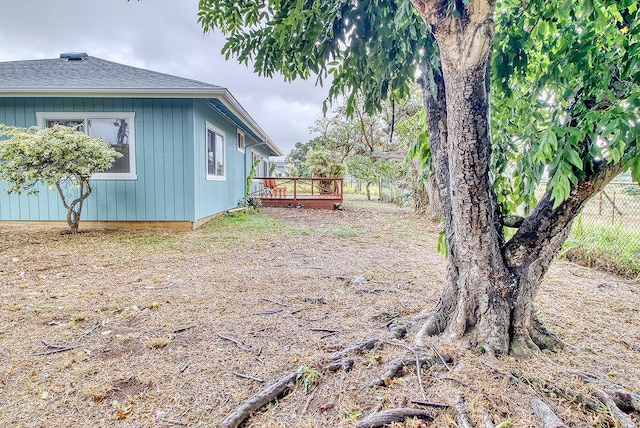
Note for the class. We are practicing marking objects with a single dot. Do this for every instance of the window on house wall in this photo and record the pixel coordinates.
(215, 153)
(115, 128)
(241, 141)
(256, 157)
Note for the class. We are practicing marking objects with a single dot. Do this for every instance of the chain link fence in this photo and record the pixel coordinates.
(617, 205)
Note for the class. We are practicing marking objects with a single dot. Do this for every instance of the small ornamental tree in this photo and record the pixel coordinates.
(325, 163)
(60, 157)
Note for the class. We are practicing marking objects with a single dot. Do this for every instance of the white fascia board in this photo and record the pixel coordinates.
(112, 92)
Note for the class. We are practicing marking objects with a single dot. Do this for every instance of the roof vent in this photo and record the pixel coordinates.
(74, 56)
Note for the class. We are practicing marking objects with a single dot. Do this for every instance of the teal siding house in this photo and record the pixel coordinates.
(187, 146)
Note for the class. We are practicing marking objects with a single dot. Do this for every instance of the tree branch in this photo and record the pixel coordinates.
(543, 232)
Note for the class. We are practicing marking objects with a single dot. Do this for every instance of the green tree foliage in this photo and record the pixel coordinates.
(550, 57)
(370, 49)
(298, 156)
(566, 97)
(325, 163)
(59, 157)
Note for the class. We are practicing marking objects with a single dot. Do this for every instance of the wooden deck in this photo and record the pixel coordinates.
(298, 192)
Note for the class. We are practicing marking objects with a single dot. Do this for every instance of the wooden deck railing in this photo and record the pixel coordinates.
(315, 192)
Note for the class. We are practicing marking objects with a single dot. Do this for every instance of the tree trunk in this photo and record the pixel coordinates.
(487, 301)
(476, 304)
(434, 212)
(74, 209)
(368, 191)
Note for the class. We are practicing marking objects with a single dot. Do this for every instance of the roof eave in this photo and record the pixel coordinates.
(240, 111)
(221, 93)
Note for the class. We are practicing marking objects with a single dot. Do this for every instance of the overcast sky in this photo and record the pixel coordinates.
(159, 35)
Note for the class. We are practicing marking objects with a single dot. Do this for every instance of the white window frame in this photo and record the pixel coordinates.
(215, 130)
(241, 141)
(43, 116)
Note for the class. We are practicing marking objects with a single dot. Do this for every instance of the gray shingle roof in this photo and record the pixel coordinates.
(91, 73)
(91, 76)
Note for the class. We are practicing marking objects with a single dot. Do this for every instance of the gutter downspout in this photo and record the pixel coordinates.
(245, 156)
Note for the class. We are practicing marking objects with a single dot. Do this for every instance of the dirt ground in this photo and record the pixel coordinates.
(165, 329)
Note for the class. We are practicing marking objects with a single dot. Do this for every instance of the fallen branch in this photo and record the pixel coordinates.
(324, 330)
(388, 417)
(435, 351)
(323, 317)
(274, 301)
(375, 290)
(54, 349)
(488, 421)
(621, 416)
(88, 332)
(181, 329)
(463, 416)
(173, 422)
(51, 345)
(317, 300)
(238, 344)
(546, 415)
(244, 376)
(361, 347)
(277, 311)
(427, 404)
(256, 401)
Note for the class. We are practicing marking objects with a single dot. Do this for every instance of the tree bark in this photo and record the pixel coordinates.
(74, 209)
(488, 296)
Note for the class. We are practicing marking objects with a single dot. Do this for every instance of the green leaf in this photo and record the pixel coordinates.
(635, 168)
(574, 158)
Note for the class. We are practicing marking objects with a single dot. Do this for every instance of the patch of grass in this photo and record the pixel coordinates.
(612, 248)
(244, 226)
(342, 231)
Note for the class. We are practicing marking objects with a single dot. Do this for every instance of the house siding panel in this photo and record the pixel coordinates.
(216, 196)
(161, 138)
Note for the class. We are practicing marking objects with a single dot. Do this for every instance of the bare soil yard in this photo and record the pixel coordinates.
(164, 329)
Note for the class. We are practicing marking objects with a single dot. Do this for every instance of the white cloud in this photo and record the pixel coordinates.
(160, 35)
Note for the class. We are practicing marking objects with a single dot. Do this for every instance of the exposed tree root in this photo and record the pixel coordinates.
(545, 338)
(345, 364)
(521, 345)
(361, 347)
(387, 417)
(546, 415)
(255, 402)
(394, 367)
(621, 416)
(546, 388)
(434, 324)
(463, 416)
(627, 399)
(621, 396)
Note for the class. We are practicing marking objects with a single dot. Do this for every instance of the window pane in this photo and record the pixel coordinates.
(240, 141)
(211, 161)
(219, 155)
(116, 133)
(79, 123)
